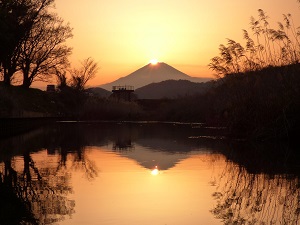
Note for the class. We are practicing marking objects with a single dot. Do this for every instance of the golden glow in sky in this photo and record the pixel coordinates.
(123, 36)
(155, 171)
(153, 61)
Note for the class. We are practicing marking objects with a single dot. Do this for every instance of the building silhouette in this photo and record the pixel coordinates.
(122, 93)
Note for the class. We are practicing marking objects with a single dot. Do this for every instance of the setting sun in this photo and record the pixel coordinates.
(153, 61)
(184, 34)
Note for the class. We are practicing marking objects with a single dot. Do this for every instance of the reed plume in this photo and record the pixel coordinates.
(264, 47)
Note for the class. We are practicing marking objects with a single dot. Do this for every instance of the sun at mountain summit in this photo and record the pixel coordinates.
(153, 61)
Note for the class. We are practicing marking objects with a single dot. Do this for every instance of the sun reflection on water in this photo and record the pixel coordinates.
(155, 171)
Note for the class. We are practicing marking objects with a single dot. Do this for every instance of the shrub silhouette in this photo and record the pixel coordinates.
(266, 47)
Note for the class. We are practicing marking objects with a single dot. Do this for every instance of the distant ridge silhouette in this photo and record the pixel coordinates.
(172, 89)
(152, 74)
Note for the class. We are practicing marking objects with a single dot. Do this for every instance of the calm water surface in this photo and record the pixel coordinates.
(80, 173)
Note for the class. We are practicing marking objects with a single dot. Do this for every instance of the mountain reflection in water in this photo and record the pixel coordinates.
(144, 173)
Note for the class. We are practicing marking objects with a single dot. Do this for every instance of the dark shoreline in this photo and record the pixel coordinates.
(15, 126)
(10, 127)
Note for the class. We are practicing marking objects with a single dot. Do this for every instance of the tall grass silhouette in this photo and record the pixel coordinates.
(264, 47)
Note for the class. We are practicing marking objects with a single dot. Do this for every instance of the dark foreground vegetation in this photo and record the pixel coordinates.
(256, 105)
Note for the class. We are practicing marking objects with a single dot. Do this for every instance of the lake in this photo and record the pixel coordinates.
(145, 173)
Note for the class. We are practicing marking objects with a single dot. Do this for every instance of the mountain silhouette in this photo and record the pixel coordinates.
(152, 74)
(99, 92)
(172, 89)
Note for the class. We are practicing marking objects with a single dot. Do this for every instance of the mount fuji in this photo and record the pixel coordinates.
(152, 73)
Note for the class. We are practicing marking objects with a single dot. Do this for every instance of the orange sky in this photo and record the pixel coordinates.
(123, 36)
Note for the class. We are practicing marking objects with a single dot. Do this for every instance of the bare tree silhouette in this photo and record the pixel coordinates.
(80, 76)
(43, 51)
(16, 21)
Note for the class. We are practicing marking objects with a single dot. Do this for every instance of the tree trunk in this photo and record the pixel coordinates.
(6, 80)
(8, 72)
(26, 78)
(26, 82)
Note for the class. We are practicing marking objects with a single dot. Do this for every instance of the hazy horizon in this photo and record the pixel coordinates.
(123, 36)
(135, 83)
